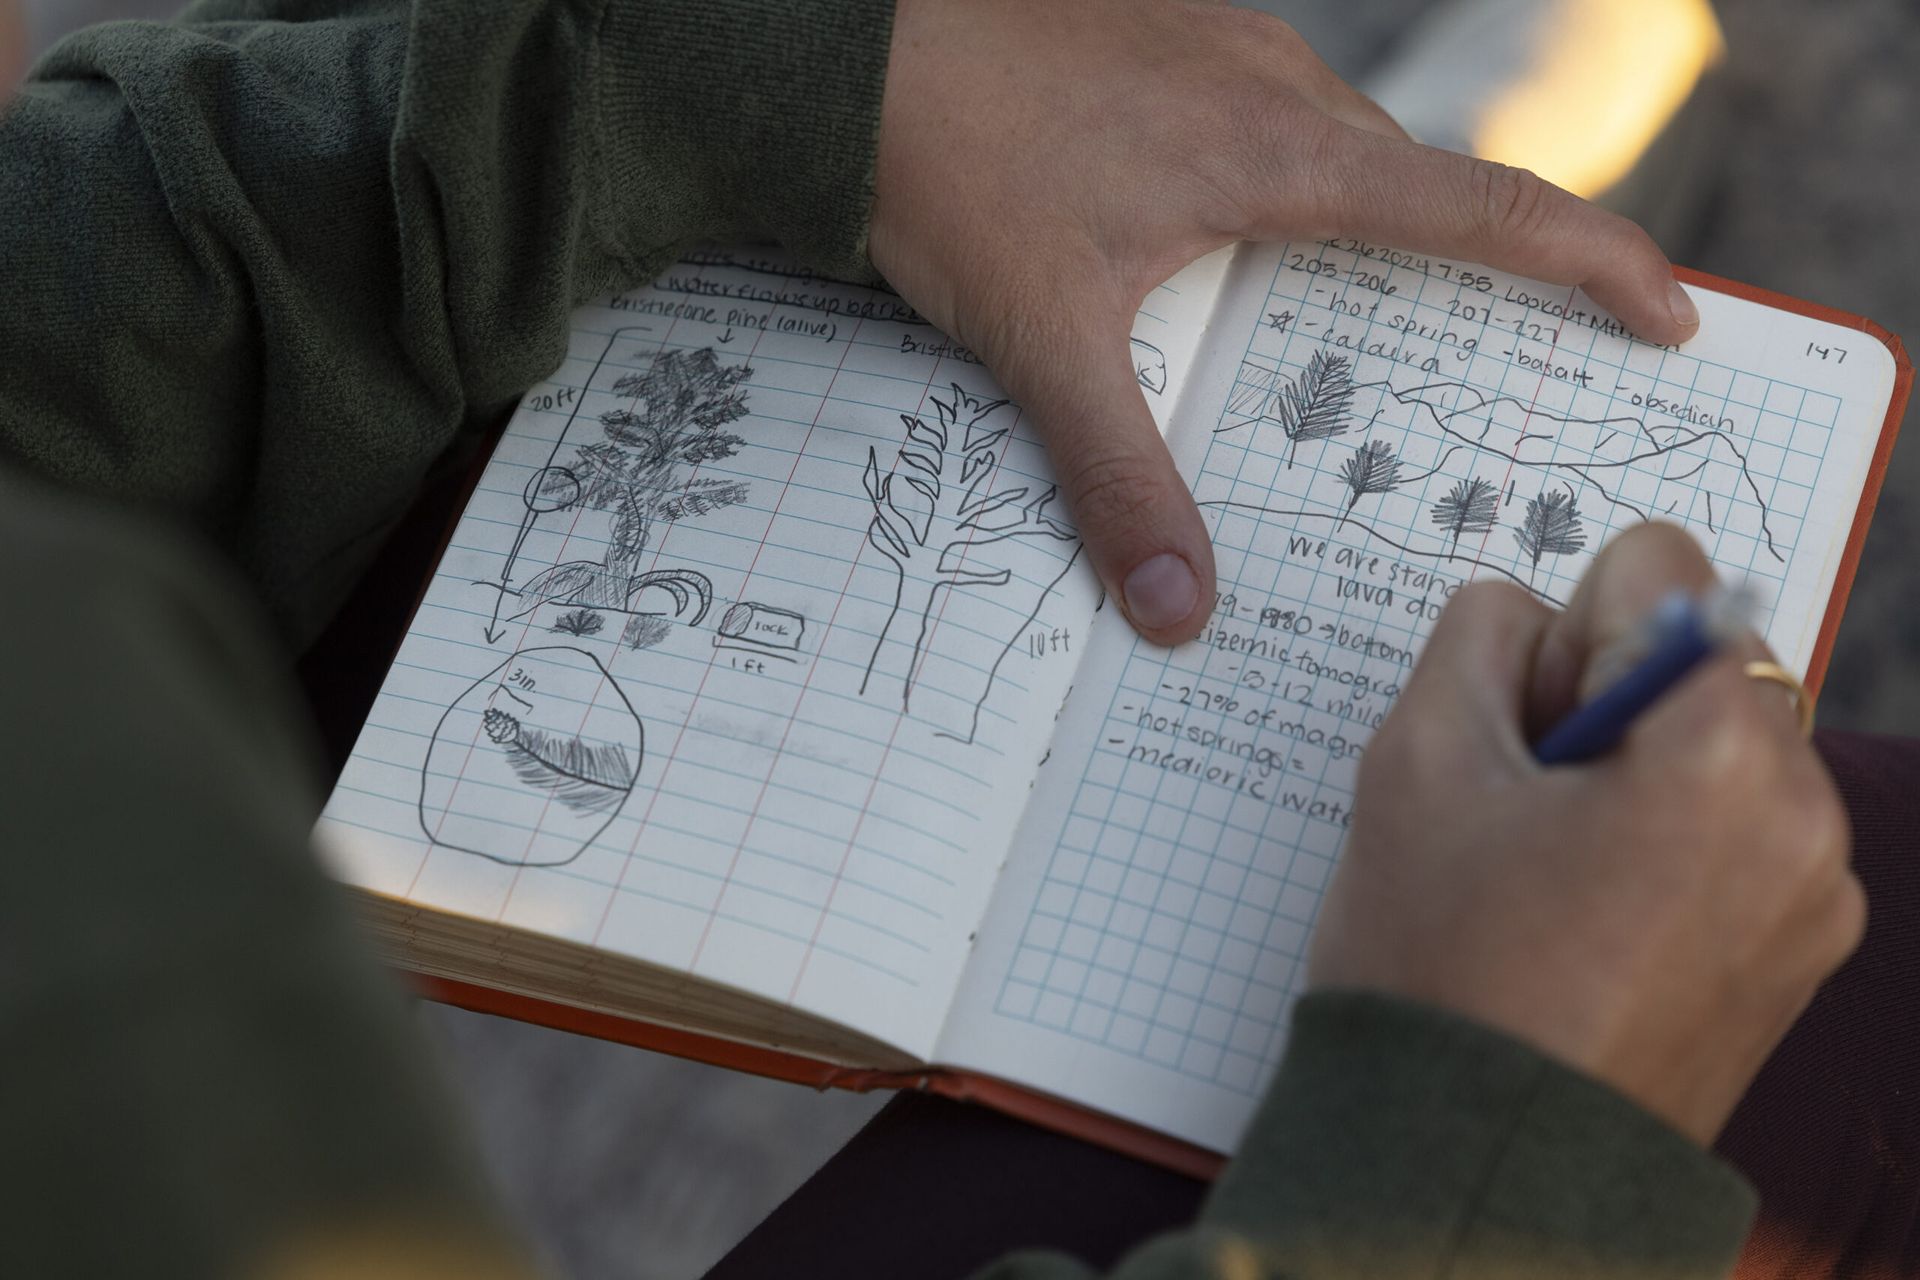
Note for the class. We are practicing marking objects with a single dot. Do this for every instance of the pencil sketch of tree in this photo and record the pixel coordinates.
(1551, 526)
(1373, 468)
(952, 540)
(644, 473)
(1313, 406)
(1471, 506)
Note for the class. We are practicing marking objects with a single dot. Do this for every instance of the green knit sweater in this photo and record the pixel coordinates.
(263, 266)
(267, 262)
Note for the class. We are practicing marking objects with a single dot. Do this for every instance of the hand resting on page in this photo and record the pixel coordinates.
(1042, 167)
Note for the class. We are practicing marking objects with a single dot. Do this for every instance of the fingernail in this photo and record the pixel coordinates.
(1160, 592)
(1682, 306)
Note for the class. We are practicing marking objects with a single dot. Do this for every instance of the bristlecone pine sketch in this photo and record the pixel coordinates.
(644, 473)
(1372, 468)
(1471, 506)
(1313, 406)
(954, 542)
(1551, 526)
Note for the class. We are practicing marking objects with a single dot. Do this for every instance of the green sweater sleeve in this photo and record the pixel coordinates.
(1399, 1141)
(265, 263)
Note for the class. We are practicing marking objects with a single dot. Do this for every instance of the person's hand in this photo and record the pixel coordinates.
(1042, 166)
(13, 47)
(1657, 918)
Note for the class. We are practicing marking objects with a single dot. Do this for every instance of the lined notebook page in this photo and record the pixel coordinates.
(1367, 431)
(743, 653)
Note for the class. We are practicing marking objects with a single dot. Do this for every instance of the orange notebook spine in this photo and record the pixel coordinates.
(1816, 672)
(1030, 1105)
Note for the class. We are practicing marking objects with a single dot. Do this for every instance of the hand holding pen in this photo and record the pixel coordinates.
(1680, 633)
(1656, 916)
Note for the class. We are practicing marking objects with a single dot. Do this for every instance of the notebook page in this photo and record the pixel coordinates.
(761, 612)
(1170, 328)
(1367, 431)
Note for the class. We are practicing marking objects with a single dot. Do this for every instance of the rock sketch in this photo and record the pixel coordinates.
(529, 765)
(761, 629)
(953, 540)
(644, 473)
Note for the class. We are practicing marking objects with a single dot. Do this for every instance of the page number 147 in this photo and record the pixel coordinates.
(1836, 354)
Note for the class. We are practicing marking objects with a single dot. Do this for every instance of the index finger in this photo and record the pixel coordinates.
(1469, 688)
(1401, 193)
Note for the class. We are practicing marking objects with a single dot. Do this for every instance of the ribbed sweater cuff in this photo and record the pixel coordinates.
(776, 104)
(1400, 1140)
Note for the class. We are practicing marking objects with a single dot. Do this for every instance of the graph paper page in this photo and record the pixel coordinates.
(744, 651)
(1367, 431)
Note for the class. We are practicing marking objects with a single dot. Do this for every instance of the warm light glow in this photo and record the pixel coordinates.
(1606, 78)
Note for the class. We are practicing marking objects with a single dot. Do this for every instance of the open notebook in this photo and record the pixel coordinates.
(762, 709)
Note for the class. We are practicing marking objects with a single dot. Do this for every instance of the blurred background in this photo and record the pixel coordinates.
(1771, 141)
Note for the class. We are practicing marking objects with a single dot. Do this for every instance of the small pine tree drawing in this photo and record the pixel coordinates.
(580, 622)
(1373, 468)
(1471, 506)
(1314, 406)
(1551, 526)
(645, 630)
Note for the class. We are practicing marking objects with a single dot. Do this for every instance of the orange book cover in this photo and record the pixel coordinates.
(1057, 1113)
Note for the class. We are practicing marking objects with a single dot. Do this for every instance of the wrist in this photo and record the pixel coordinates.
(1399, 1139)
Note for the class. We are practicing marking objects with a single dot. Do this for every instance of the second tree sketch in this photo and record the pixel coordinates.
(1372, 468)
(971, 557)
(1551, 526)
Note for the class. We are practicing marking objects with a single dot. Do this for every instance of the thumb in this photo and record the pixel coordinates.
(1144, 536)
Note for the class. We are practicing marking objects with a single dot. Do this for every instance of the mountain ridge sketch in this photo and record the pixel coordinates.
(1633, 464)
(1529, 435)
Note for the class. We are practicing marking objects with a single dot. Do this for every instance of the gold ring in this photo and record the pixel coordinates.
(1777, 674)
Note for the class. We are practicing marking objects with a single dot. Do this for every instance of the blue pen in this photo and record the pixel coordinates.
(1678, 635)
